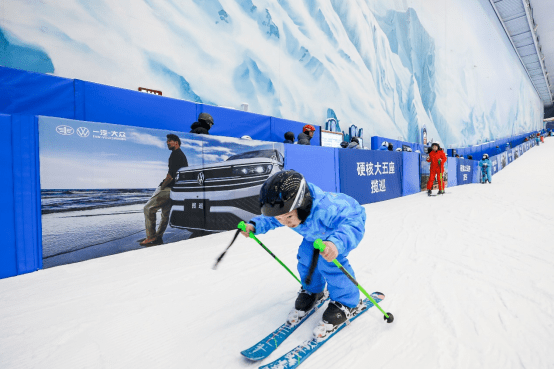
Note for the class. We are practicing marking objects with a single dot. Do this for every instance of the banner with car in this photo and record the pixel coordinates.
(97, 177)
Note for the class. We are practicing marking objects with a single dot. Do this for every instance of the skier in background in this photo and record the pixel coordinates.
(537, 139)
(437, 158)
(486, 169)
(288, 200)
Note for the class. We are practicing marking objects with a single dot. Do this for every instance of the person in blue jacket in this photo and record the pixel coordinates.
(486, 169)
(538, 139)
(384, 146)
(288, 200)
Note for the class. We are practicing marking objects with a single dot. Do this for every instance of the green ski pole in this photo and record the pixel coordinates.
(242, 227)
(318, 244)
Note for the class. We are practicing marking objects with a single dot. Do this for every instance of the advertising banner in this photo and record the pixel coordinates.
(494, 163)
(503, 160)
(465, 171)
(106, 187)
(370, 176)
(510, 154)
(425, 170)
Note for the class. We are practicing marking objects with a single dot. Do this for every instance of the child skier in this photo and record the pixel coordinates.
(486, 169)
(288, 200)
(437, 158)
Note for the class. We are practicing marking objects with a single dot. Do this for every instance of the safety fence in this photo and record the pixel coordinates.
(76, 190)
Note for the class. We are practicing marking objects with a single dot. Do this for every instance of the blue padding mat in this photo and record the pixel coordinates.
(26, 184)
(281, 126)
(23, 92)
(452, 172)
(8, 257)
(318, 164)
(410, 173)
(370, 176)
(237, 123)
(465, 171)
(100, 103)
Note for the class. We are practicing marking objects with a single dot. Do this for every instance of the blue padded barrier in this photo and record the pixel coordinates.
(281, 126)
(354, 166)
(318, 164)
(23, 223)
(236, 123)
(452, 171)
(464, 171)
(100, 103)
(8, 256)
(410, 173)
(476, 172)
(377, 141)
(23, 92)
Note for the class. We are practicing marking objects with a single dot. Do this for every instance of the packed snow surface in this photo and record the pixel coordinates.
(469, 277)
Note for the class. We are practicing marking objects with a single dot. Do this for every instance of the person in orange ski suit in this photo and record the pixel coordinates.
(437, 158)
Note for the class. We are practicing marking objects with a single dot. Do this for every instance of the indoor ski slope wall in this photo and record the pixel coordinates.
(389, 67)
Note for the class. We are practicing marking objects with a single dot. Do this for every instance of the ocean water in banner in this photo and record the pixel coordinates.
(100, 186)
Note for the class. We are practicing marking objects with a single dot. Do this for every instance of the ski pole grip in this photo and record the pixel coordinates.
(318, 244)
(242, 227)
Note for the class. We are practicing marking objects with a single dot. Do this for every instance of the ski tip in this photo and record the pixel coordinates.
(380, 295)
(248, 355)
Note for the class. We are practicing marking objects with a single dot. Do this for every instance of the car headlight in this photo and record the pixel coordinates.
(252, 169)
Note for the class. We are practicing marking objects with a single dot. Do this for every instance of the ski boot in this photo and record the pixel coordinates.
(305, 301)
(333, 317)
(441, 192)
(429, 193)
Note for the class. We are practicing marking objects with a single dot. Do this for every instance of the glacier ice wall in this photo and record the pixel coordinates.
(385, 66)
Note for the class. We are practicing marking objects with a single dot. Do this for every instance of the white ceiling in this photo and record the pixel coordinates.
(543, 13)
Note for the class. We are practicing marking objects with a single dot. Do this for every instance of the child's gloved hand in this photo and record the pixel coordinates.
(249, 228)
(330, 251)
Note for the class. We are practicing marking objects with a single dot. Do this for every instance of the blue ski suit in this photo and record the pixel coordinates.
(335, 217)
(486, 170)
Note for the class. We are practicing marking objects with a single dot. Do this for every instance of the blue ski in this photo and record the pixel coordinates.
(296, 356)
(266, 346)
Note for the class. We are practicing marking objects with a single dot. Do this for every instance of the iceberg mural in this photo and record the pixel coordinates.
(387, 67)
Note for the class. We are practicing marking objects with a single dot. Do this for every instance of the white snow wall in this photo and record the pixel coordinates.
(387, 66)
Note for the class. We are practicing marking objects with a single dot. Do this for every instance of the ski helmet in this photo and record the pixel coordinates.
(399, 149)
(385, 143)
(308, 127)
(284, 192)
(485, 156)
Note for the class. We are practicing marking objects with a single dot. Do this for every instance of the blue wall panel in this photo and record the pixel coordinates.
(8, 256)
(317, 164)
(410, 173)
(465, 171)
(236, 123)
(26, 171)
(116, 105)
(280, 126)
(452, 164)
(24, 92)
(355, 181)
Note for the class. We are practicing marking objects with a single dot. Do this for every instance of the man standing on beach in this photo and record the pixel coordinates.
(161, 199)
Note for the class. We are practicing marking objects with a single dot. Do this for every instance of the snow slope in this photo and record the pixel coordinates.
(469, 277)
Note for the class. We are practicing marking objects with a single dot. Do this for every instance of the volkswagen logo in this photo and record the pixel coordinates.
(65, 130)
(83, 132)
(200, 178)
